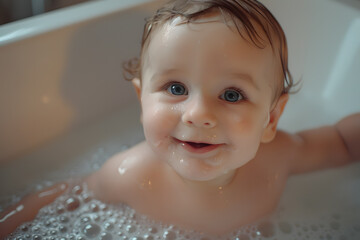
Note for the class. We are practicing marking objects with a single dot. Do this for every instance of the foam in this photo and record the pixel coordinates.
(77, 215)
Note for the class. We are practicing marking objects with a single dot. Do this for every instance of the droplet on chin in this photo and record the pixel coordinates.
(157, 143)
(214, 162)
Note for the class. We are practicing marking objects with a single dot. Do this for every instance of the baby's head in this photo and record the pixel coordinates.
(213, 81)
(251, 19)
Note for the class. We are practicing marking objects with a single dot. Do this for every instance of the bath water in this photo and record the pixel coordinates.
(77, 215)
(323, 205)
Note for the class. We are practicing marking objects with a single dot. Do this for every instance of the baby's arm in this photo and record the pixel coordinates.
(349, 130)
(326, 147)
(27, 209)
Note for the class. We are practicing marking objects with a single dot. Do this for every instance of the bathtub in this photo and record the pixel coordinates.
(63, 99)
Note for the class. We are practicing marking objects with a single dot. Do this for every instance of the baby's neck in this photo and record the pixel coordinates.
(215, 184)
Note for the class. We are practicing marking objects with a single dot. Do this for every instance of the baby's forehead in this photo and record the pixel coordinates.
(252, 29)
(254, 35)
(207, 27)
(212, 42)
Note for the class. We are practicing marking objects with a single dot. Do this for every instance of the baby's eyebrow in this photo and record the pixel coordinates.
(164, 73)
(246, 77)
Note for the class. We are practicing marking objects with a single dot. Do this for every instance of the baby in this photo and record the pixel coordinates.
(213, 82)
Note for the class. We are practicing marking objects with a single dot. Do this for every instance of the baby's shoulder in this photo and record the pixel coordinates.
(279, 152)
(279, 144)
(121, 173)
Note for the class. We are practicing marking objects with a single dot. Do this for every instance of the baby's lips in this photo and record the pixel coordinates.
(197, 142)
(198, 145)
(198, 148)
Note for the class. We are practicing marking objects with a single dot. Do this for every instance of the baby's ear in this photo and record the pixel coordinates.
(137, 85)
(270, 128)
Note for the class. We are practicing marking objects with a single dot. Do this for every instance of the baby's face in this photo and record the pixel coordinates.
(206, 95)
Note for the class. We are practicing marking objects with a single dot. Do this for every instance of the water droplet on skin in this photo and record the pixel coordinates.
(122, 171)
(285, 227)
(91, 230)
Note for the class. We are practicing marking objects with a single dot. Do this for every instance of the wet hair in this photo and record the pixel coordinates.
(248, 16)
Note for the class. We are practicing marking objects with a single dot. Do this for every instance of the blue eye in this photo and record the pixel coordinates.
(177, 89)
(232, 95)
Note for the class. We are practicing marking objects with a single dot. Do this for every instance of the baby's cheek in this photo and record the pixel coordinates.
(158, 121)
(242, 124)
(246, 133)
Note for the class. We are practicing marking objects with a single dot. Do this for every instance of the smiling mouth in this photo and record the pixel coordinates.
(198, 147)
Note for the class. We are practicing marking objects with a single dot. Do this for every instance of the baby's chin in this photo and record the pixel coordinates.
(204, 168)
(197, 170)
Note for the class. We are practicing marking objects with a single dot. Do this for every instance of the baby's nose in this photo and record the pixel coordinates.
(199, 115)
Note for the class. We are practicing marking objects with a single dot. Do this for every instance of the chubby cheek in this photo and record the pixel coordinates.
(245, 133)
(159, 120)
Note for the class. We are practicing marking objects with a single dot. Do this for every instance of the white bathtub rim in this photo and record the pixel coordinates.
(36, 25)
